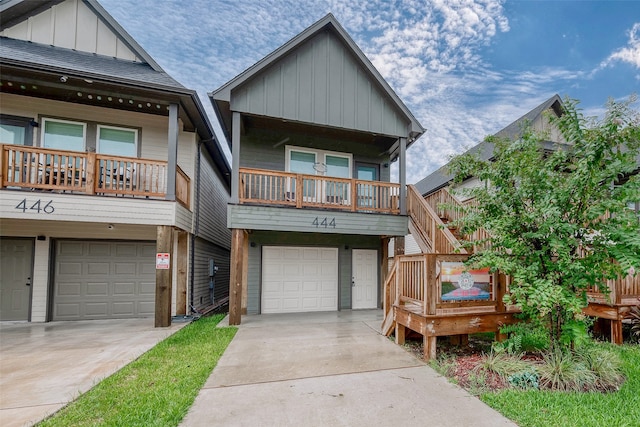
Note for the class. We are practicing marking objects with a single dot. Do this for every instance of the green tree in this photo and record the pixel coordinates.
(558, 219)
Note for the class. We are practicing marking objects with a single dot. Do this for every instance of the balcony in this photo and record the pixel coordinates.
(35, 168)
(266, 187)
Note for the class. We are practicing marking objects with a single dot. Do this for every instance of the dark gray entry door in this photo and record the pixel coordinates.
(16, 264)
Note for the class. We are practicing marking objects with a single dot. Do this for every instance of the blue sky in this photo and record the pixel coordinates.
(466, 68)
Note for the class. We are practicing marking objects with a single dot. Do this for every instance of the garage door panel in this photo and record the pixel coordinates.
(98, 268)
(96, 309)
(99, 249)
(70, 268)
(122, 268)
(296, 279)
(102, 279)
(97, 289)
(147, 288)
(127, 289)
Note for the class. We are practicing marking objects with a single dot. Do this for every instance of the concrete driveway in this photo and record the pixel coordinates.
(43, 366)
(328, 369)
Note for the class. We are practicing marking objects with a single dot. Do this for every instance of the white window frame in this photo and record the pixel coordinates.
(48, 119)
(134, 130)
(319, 194)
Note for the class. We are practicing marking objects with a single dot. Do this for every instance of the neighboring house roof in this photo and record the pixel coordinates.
(144, 76)
(442, 177)
(221, 97)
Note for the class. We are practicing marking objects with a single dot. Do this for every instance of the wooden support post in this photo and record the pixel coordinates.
(182, 266)
(431, 292)
(400, 334)
(245, 272)
(235, 280)
(164, 244)
(616, 331)
(384, 267)
(429, 347)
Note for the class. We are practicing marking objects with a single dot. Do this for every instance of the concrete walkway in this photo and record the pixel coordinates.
(328, 369)
(43, 366)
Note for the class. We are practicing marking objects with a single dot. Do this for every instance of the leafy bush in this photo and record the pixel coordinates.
(634, 316)
(526, 336)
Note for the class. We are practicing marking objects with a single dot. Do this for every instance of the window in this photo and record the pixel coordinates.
(324, 163)
(63, 135)
(15, 130)
(117, 141)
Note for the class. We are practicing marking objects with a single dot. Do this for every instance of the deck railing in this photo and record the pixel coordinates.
(621, 291)
(432, 282)
(435, 233)
(302, 190)
(90, 173)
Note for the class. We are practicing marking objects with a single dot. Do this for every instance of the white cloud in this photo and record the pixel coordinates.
(630, 53)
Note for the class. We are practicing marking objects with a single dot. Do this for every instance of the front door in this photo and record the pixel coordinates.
(16, 261)
(365, 279)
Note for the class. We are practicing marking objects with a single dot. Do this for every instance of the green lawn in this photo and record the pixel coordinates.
(158, 388)
(545, 408)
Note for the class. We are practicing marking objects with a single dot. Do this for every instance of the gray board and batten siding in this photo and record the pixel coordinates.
(344, 243)
(321, 82)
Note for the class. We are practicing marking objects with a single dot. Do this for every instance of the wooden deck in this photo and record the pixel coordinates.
(36, 168)
(267, 187)
(430, 294)
(611, 308)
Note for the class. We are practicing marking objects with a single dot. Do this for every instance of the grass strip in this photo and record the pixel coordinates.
(567, 409)
(156, 389)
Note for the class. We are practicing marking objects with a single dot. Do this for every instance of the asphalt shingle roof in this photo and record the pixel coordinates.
(41, 56)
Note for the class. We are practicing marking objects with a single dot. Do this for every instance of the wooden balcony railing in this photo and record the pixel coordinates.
(300, 191)
(89, 173)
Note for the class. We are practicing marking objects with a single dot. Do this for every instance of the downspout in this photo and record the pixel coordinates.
(196, 228)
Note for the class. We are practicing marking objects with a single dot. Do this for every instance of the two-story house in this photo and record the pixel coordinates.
(314, 129)
(113, 187)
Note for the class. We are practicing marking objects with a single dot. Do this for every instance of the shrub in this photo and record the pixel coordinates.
(526, 336)
(561, 370)
(525, 380)
(604, 364)
(502, 363)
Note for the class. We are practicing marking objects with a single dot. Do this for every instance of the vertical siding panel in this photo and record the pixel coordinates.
(305, 79)
(42, 27)
(106, 41)
(19, 31)
(123, 52)
(290, 87)
(203, 251)
(320, 89)
(363, 99)
(87, 31)
(273, 87)
(375, 112)
(64, 29)
(255, 96)
(348, 91)
(334, 91)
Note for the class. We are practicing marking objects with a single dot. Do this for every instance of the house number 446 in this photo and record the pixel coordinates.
(38, 206)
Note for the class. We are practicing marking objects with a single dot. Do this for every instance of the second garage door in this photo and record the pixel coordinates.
(297, 279)
(104, 280)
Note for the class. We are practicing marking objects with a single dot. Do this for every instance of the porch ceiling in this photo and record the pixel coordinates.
(283, 127)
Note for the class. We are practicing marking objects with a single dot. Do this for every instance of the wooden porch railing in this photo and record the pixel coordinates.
(429, 225)
(621, 291)
(424, 284)
(301, 190)
(89, 173)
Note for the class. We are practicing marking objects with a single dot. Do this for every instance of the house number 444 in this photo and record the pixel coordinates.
(324, 222)
(38, 206)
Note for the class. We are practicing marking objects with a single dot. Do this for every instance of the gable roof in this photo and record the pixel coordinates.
(221, 97)
(98, 74)
(442, 177)
(16, 11)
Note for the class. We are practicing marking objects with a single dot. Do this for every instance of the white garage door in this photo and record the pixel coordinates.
(296, 279)
(104, 280)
